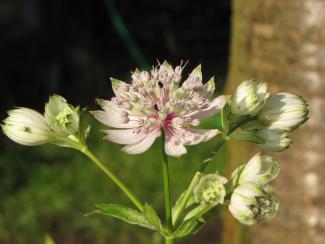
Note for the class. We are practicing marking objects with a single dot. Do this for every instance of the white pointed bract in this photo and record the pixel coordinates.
(252, 203)
(27, 127)
(249, 98)
(210, 189)
(260, 169)
(284, 111)
(62, 118)
(274, 139)
(155, 102)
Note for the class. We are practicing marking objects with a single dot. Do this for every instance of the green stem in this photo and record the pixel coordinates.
(169, 241)
(186, 197)
(114, 178)
(165, 170)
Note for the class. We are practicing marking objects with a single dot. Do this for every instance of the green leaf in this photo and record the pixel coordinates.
(189, 227)
(124, 213)
(177, 205)
(152, 216)
(250, 136)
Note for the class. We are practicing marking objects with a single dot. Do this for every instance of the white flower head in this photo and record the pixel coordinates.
(62, 118)
(275, 140)
(260, 169)
(252, 203)
(284, 111)
(210, 189)
(249, 98)
(155, 102)
(27, 127)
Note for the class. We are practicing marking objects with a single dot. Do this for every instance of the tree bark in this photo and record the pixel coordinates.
(282, 42)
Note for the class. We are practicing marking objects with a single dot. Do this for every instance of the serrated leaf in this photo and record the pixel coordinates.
(152, 216)
(189, 227)
(124, 213)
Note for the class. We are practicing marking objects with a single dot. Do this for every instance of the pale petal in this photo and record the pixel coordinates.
(174, 146)
(128, 136)
(214, 107)
(142, 145)
(114, 119)
(196, 136)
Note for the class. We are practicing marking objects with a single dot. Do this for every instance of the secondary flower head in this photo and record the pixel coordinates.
(249, 98)
(284, 111)
(260, 169)
(62, 118)
(155, 102)
(252, 203)
(27, 127)
(210, 189)
(275, 140)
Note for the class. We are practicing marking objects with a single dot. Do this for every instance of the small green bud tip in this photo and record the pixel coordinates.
(210, 189)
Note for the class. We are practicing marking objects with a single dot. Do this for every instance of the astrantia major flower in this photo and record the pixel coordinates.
(252, 203)
(260, 169)
(27, 127)
(157, 102)
(284, 111)
(210, 189)
(275, 140)
(62, 118)
(249, 97)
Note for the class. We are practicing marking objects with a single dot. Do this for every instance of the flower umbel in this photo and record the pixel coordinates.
(274, 139)
(155, 102)
(27, 127)
(210, 189)
(260, 169)
(249, 98)
(253, 203)
(62, 118)
(284, 111)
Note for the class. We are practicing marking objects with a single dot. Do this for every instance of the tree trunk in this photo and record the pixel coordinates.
(282, 42)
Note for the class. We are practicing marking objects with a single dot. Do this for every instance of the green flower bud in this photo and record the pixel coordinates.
(210, 189)
(260, 169)
(284, 111)
(274, 139)
(62, 118)
(252, 203)
(249, 98)
(27, 127)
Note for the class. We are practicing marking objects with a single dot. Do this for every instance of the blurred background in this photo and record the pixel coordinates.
(72, 47)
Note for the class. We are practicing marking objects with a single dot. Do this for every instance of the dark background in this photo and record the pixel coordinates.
(71, 48)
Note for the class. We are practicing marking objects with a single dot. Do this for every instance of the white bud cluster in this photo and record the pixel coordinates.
(28, 127)
(252, 200)
(271, 118)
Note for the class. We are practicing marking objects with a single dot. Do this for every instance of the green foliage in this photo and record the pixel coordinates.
(46, 190)
(124, 213)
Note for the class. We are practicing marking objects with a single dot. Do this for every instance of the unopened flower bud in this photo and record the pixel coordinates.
(252, 203)
(62, 118)
(210, 189)
(274, 139)
(249, 98)
(260, 169)
(27, 127)
(284, 111)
